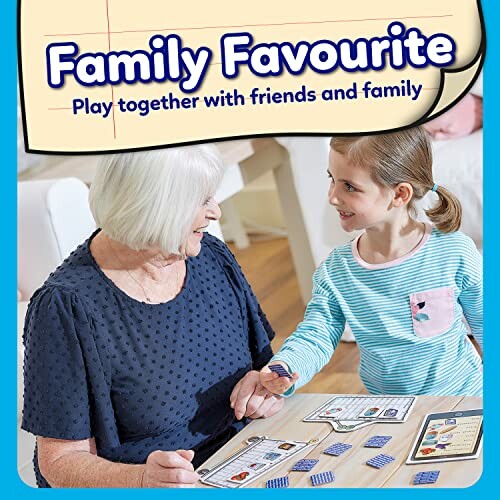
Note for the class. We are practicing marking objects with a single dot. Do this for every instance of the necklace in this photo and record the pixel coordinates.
(143, 288)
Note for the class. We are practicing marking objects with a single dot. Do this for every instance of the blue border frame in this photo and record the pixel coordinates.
(12, 485)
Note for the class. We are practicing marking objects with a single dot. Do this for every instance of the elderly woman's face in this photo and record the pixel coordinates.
(208, 212)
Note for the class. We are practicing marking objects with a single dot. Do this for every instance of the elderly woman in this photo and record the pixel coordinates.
(142, 347)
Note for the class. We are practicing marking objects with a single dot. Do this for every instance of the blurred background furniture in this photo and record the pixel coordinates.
(53, 218)
(246, 161)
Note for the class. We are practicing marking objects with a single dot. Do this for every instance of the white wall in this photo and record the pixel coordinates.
(309, 159)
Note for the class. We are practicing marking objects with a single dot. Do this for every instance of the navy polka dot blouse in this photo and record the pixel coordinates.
(141, 377)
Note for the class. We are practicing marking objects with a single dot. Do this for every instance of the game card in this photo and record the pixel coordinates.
(241, 477)
(286, 446)
(370, 412)
(256, 466)
(334, 411)
(271, 456)
(389, 413)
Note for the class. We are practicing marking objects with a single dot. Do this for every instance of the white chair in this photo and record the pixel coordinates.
(53, 218)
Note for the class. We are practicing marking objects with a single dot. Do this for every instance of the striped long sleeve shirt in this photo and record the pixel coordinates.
(407, 316)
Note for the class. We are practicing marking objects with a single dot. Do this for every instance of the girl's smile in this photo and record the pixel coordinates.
(345, 215)
(359, 200)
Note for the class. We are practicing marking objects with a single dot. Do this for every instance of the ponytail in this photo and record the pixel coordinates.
(447, 214)
(403, 156)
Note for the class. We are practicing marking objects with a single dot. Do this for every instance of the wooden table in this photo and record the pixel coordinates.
(350, 469)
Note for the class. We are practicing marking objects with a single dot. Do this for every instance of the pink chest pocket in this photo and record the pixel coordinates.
(432, 311)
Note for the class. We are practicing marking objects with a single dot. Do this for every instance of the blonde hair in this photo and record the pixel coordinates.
(404, 156)
(150, 199)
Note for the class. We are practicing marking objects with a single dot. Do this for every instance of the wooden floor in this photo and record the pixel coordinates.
(269, 268)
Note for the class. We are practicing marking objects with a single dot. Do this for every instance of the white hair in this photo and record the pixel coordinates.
(150, 199)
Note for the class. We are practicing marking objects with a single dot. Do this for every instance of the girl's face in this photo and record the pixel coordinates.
(359, 200)
(208, 211)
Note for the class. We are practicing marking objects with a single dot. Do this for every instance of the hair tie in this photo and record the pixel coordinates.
(434, 188)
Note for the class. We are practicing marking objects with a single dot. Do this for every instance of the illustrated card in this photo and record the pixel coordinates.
(371, 412)
(241, 477)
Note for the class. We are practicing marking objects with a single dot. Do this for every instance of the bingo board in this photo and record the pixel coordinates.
(260, 456)
(347, 413)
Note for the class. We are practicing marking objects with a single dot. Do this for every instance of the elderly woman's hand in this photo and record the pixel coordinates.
(169, 469)
(250, 399)
(75, 464)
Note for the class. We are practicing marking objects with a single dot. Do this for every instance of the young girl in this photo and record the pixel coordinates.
(403, 286)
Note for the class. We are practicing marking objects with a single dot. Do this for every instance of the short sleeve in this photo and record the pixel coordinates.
(66, 391)
(260, 332)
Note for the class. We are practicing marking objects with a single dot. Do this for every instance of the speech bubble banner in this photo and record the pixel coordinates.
(108, 75)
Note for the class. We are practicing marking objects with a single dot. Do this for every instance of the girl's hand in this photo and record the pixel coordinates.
(273, 382)
(169, 469)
